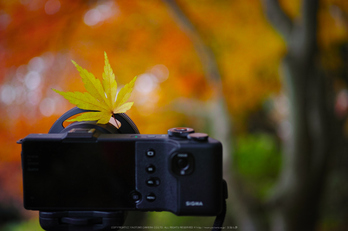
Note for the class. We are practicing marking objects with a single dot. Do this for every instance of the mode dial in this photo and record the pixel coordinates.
(181, 132)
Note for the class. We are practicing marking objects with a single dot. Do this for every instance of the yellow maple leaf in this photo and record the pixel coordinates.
(101, 97)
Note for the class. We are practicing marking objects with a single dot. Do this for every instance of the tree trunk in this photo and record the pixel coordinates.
(295, 204)
(305, 154)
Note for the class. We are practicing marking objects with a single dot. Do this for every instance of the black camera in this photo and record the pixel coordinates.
(91, 167)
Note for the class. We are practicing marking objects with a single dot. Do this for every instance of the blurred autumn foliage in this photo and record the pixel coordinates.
(38, 38)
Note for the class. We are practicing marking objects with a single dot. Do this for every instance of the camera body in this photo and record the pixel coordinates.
(86, 169)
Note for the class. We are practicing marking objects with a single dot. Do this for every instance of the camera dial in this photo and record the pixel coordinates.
(180, 132)
(198, 136)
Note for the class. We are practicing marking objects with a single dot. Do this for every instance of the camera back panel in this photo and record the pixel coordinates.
(107, 172)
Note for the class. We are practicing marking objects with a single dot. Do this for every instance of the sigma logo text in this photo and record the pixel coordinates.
(194, 203)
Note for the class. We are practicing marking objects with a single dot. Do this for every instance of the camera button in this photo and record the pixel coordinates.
(135, 196)
(154, 181)
(198, 136)
(151, 197)
(150, 153)
(150, 169)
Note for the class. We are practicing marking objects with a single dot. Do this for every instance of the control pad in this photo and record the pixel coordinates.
(182, 164)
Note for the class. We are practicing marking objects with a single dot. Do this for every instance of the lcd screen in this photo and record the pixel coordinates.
(80, 176)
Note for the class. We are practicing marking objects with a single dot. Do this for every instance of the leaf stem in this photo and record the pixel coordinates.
(118, 123)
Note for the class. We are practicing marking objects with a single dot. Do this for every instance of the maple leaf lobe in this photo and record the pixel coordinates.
(101, 97)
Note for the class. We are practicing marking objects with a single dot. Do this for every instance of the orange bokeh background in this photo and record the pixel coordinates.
(39, 38)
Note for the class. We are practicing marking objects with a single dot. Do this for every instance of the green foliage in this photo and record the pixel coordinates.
(257, 159)
(169, 220)
(31, 225)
